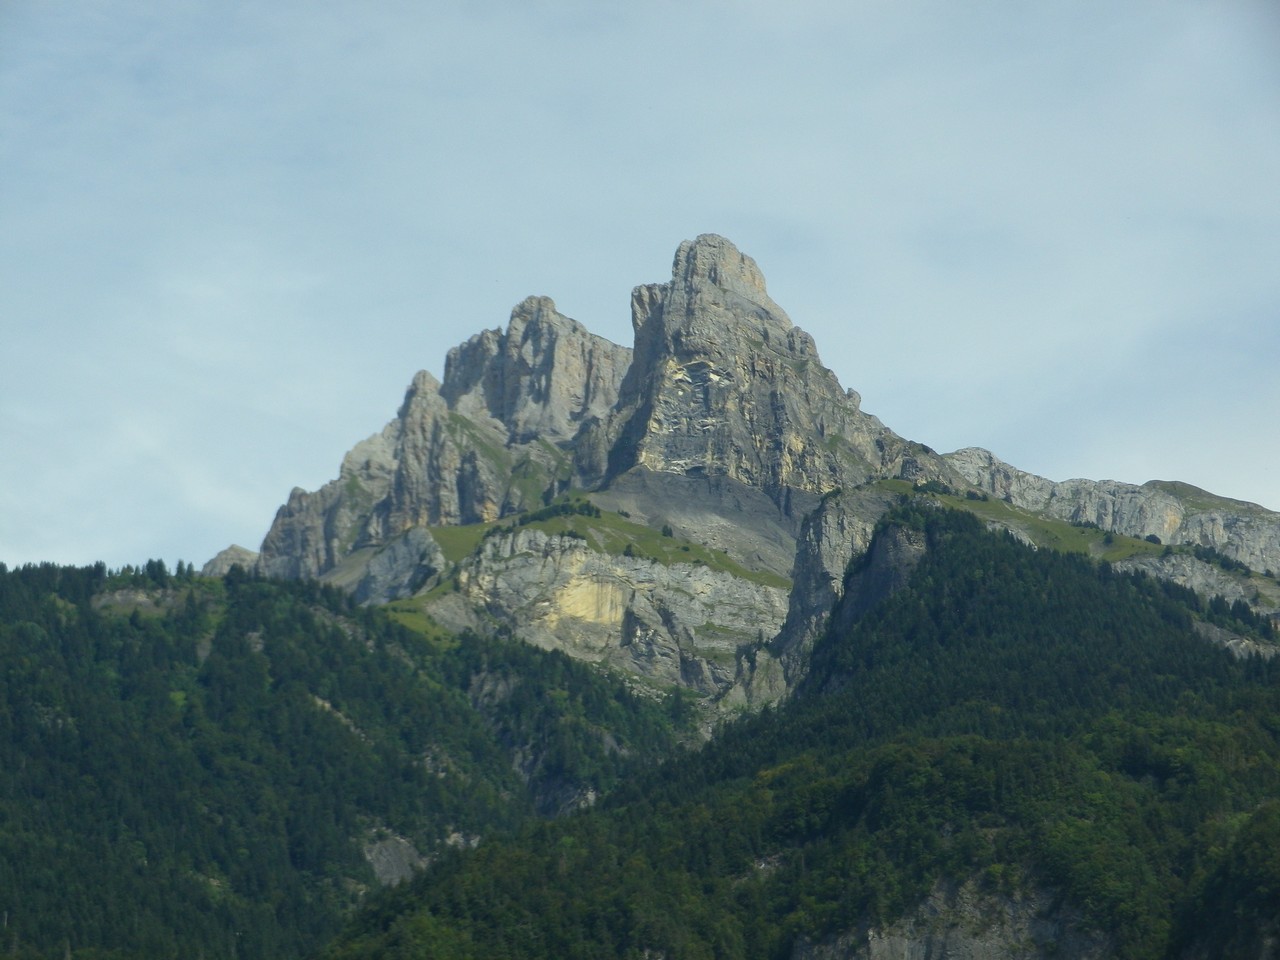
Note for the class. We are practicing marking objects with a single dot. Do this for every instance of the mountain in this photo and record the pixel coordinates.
(858, 699)
(707, 489)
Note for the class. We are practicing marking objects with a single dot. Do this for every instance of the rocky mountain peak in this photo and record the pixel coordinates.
(540, 378)
(716, 298)
(423, 387)
(724, 385)
(482, 444)
(711, 259)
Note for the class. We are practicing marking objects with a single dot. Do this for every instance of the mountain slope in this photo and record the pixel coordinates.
(722, 427)
(1003, 752)
(225, 768)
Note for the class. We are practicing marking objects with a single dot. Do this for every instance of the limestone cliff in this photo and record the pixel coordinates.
(1176, 513)
(673, 623)
(724, 385)
(539, 380)
(965, 921)
(485, 443)
(839, 530)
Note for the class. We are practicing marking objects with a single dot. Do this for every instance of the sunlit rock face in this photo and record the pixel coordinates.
(723, 384)
(679, 623)
(485, 443)
(1175, 513)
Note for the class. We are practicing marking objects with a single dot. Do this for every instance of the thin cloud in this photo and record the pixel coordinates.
(234, 233)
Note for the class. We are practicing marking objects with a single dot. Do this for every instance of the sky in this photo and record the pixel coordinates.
(231, 232)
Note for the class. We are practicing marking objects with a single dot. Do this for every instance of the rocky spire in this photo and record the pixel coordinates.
(713, 260)
(540, 378)
(723, 384)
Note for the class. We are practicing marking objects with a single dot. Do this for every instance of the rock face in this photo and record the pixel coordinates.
(839, 530)
(234, 555)
(540, 379)
(1176, 513)
(485, 443)
(393, 859)
(965, 922)
(723, 385)
(681, 623)
(723, 429)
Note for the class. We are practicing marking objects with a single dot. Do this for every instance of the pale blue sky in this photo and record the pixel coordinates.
(233, 232)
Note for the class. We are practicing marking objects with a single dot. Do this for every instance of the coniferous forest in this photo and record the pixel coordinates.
(1016, 717)
(197, 767)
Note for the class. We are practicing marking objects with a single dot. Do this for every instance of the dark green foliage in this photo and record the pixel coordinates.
(575, 730)
(1239, 904)
(934, 486)
(1015, 716)
(563, 508)
(192, 767)
(189, 767)
(1210, 555)
(568, 508)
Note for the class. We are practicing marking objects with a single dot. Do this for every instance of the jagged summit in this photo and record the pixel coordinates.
(483, 444)
(711, 259)
(724, 385)
(716, 293)
(541, 378)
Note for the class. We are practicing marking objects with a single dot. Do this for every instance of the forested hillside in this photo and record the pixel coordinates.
(1015, 719)
(195, 767)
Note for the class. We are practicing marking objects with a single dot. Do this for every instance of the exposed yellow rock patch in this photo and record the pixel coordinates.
(592, 599)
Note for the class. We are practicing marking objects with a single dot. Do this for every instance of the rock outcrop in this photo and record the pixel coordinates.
(964, 921)
(678, 623)
(724, 385)
(839, 530)
(1175, 513)
(539, 380)
(485, 443)
(393, 860)
(232, 556)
